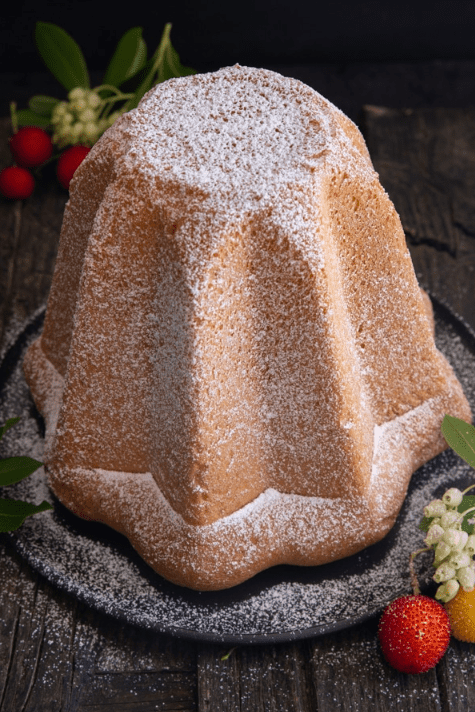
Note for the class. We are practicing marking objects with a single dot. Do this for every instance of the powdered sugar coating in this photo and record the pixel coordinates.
(102, 572)
(237, 145)
(233, 312)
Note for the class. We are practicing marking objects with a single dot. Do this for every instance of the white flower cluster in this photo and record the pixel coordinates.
(78, 121)
(454, 548)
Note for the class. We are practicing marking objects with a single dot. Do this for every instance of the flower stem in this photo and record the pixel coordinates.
(158, 57)
(117, 98)
(463, 514)
(414, 581)
(111, 87)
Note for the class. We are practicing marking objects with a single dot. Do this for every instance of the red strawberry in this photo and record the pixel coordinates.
(68, 163)
(414, 632)
(31, 146)
(16, 183)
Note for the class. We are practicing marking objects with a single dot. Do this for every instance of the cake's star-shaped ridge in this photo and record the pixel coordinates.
(237, 367)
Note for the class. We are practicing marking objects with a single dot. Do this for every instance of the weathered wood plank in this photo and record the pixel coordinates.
(28, 242)
(41, 220)
(426, 162)
(456, 678)
(139, 692)
(263, 678)
(55, 654)
(10, 612)
(218, 679)
(350, 675)
(39, 660)
(10, 213)
(277, 678)
(124, 647)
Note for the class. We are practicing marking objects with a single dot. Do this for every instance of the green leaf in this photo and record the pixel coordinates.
(129, 58)
(62, 55)
(13, 512)
(155, 65)
(133, 82)
(43, 105)
(467, 503)
(425, 523)
(9, 424)
(461, 438)
(172, 67)
(164, 65)
(14, 469)
(26, 117)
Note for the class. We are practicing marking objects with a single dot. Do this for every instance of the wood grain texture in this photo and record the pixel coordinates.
(57, 655)
(426, 162)
(351, 675)
(264, 678)
(29, 236)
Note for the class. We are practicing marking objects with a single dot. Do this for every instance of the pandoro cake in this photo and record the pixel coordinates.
(237, 367)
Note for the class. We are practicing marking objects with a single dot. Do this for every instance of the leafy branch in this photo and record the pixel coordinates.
(128, 69)
(13, 512)
(460, 436)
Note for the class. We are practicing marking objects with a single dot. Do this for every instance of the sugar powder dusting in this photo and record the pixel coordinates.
(211, 369)
(105, 572)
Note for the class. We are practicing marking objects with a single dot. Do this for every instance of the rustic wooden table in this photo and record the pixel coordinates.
(58, 655)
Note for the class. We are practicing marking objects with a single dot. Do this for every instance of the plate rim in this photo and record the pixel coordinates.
(9, 361)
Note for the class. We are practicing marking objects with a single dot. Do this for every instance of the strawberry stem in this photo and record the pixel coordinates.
(414, 581)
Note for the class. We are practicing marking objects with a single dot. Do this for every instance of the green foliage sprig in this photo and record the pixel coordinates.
(449, 521)
(13, 512)
(461, 438)
(128, 76)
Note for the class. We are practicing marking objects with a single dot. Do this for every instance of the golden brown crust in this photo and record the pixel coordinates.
(237, 368)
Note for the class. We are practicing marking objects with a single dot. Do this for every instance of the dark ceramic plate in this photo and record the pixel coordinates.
(99, 567)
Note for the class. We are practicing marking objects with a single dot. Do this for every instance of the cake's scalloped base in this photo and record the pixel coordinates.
(275, 528)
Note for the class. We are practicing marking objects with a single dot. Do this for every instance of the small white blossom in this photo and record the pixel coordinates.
(455, 539)
(93, 99)
(77, 120)
(444, 573)
(449, 519)
(65, 136)
(436, 508)
(60, 110)
(76, 130)
(68, 119)
(466, 576)
(87, 115)
(453, 497)
(459, 559)
(463, 541)
(470, 545)
(77, 93)
(90, 131)
(78, 105)
(434, 534)
(442, 551)
(447, 591)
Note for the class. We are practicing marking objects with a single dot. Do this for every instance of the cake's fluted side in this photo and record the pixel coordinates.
(233, 316)
(275, 527)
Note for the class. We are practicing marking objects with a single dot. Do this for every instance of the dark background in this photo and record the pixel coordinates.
(261, 32)
(355, 52)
